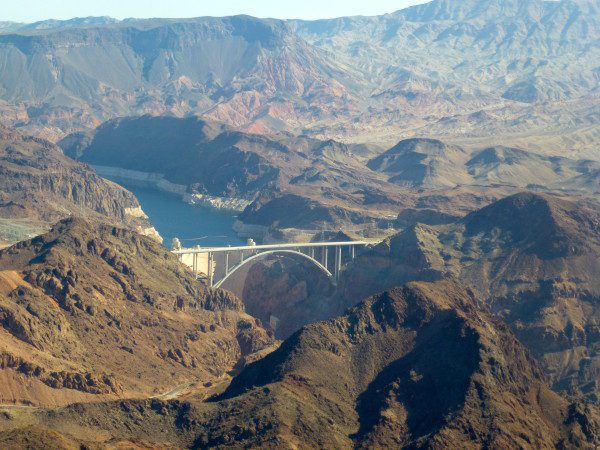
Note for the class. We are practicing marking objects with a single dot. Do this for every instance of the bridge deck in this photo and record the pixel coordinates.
(187, 251)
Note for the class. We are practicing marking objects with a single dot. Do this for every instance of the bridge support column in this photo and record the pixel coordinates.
(335, 263)
(325, 252)
(338, 262)
(210, 269)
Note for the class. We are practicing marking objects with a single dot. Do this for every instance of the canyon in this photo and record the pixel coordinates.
(459, 140)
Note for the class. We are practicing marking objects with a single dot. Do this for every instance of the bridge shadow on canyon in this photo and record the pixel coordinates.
(283, 291)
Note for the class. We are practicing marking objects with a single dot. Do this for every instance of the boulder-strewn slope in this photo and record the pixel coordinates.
(420, 366)
(40, 185)
(534, 258)
(90, 311)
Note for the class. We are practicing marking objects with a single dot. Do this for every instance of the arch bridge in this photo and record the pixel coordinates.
(219, 263)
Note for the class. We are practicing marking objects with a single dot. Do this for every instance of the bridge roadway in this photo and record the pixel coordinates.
(219, 263)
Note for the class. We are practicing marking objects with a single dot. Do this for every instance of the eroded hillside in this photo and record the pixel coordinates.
(418, 366)
(460, 71)
(40, 185)
(90, 311)
(533, 258)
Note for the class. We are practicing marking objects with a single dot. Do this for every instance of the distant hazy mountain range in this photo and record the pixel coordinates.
(77, 22)
(462, 70)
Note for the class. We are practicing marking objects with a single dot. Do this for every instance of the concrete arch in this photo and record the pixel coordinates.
(271, 252)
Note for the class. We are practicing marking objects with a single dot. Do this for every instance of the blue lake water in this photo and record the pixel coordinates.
(193, 225)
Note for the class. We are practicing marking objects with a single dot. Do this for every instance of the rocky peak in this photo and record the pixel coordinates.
(547, 225)
(419, 161)
(415, 366)
(94, 251)
(498, 154)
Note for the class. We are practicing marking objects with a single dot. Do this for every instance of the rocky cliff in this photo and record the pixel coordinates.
(40, 185)
(91, 311)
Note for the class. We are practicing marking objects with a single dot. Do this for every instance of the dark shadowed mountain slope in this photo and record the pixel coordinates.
(91, 311)
(419, 366)
(210, 158)
(186, 151)
(534, 258)
(40, 185)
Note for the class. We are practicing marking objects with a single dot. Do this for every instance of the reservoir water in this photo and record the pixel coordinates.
(193, 225)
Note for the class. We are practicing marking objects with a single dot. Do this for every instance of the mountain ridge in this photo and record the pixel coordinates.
(533, 258)
(391, 354)
(366, 79)
(90, 312)
(40, 185)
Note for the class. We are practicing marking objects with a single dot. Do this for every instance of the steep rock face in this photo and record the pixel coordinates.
(534, 258)
(91, 311)
(237, 69)
(419, 366)
(39, 185)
